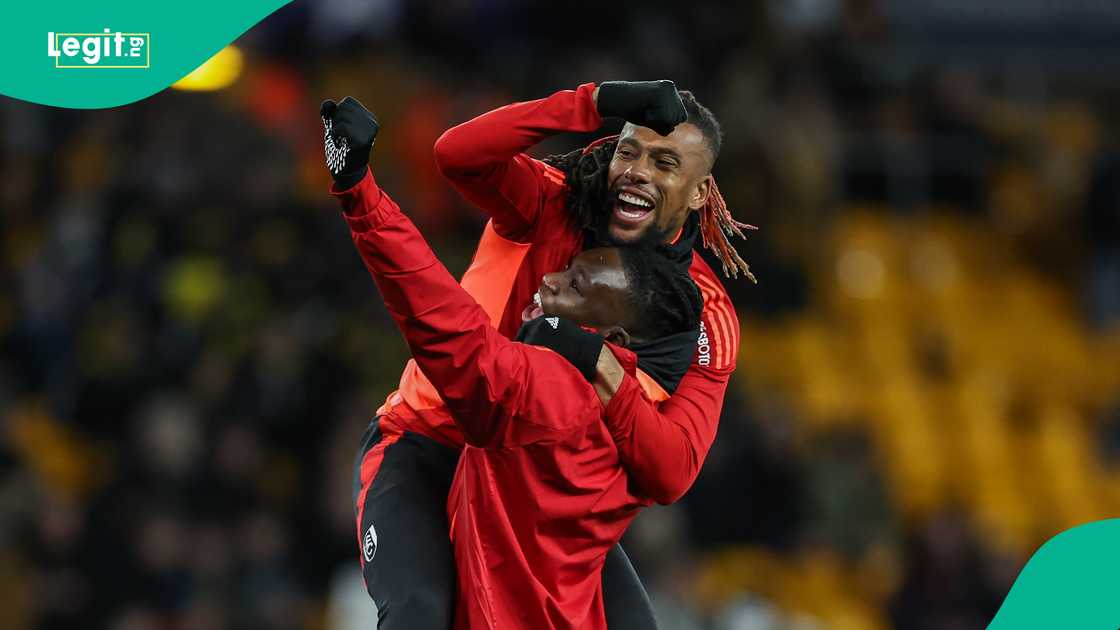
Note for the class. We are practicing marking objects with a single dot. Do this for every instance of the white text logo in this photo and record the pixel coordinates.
(703, 347)
(100, 50)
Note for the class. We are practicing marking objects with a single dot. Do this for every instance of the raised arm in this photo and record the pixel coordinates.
(485, 160)
(499, 392)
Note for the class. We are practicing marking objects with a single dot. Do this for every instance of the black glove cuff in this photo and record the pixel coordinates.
(579, 347)
(347, 179)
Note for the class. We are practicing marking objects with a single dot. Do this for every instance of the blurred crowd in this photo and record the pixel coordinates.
(190, 350)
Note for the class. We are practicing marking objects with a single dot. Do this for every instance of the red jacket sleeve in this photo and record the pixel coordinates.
(663, 446)
(499, 392)
(484, 158)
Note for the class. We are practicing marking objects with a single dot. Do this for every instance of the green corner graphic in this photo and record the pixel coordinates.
(1071, 582)
(168, 40)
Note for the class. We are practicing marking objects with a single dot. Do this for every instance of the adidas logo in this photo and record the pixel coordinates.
(553, 321)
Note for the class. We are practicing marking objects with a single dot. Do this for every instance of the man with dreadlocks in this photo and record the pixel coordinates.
(651, 184)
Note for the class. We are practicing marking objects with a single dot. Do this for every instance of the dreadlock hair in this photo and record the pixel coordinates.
(664, 298)
(586, 173)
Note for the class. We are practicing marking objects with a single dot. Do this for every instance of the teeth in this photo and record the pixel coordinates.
(634, 199)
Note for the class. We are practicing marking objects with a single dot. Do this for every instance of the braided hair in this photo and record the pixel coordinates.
(664, 298)
(586, 172)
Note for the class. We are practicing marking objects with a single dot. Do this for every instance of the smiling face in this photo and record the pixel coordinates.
(654, 181)
(593, 291)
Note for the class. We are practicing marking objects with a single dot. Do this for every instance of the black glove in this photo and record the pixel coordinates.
(653, 104)
(579, 347)
(348, 133)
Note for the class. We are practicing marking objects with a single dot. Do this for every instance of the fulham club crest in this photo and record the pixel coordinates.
(369, 543)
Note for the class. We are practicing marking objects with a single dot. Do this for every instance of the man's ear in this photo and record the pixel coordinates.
(700, 195)
(616, 335)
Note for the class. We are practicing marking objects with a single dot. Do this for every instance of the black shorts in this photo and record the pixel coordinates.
(404, 538)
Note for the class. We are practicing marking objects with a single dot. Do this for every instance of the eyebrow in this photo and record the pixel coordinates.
(665, 151)
(656, 151)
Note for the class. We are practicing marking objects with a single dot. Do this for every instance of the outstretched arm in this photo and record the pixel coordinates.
(500, 393)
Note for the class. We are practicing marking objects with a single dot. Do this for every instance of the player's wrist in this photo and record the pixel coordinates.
(608, 375)
(348, 180)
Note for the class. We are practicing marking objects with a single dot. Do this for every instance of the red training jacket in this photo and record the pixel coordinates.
(540, 494)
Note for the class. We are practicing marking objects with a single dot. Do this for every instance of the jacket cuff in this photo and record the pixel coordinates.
(586, 94)
(619, 424)
(341, 192)
(626, 358)
(361, 203)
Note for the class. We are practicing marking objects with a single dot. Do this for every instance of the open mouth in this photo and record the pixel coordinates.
(631, 208)
(534, 309)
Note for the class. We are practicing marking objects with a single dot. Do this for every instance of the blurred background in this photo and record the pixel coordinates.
(929, 385)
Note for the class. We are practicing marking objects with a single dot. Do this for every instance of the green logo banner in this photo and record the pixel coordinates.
(81, 54)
